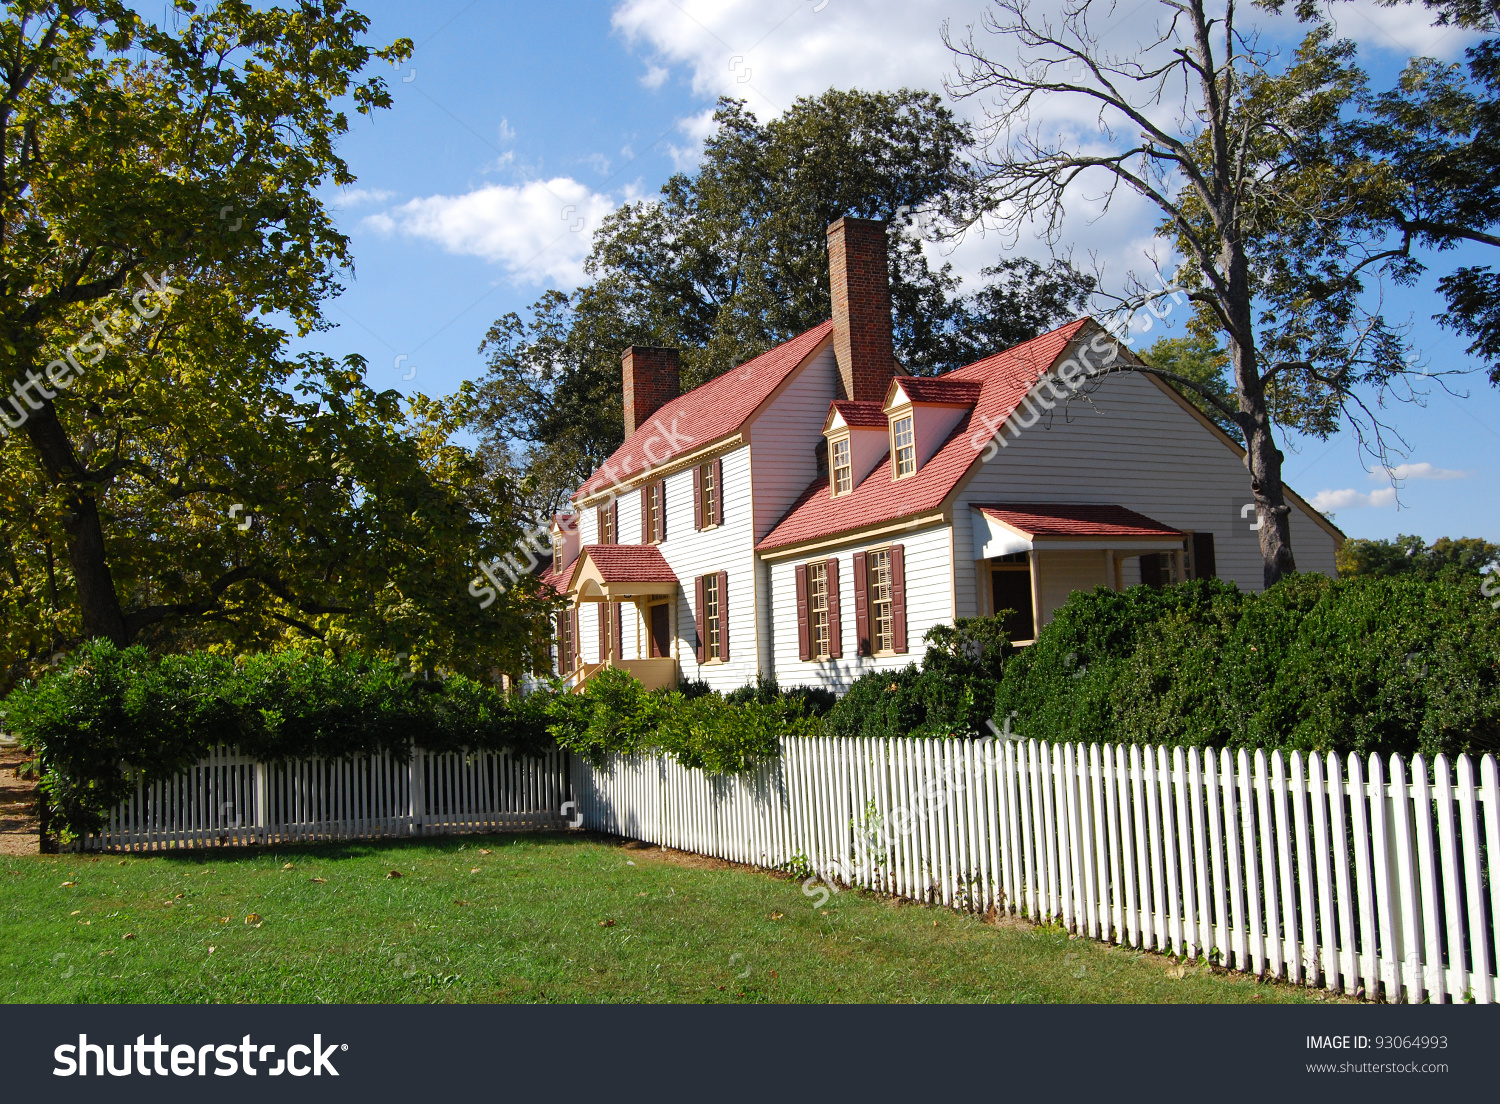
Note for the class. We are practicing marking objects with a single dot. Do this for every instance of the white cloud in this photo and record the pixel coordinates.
(507, 132)
(1418, 471)
(655, 77)
(357, 197)
(697, 128)
(1350, 499)
(771, 54)
(540, 232)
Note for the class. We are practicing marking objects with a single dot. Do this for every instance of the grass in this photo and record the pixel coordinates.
(525, 918)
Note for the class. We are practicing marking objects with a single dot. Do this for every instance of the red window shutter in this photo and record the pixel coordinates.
(724, 615)
(719, 492)
(601, 528)
(862, 603)
(603, 633)
(619, 627)
(573, 655)
(698, 618)
(562, 647)
(661, 512)
(646, 514)
(835, 625)
(898, 598)
(614, 520)
(698, 497)
(804, 639)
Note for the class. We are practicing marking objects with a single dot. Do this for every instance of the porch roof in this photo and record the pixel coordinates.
(620, 572)
(1019, 527)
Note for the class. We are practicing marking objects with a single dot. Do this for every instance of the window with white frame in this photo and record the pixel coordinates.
(713, 619)
(843, 466)
(904, 446)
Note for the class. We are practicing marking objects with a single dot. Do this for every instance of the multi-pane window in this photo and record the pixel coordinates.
(882, 622)
(843, 467)
(905, 446)
(713, 619)
(819, 634)
(559, 548)
(655, 504)
(710, 492)
(567, 654)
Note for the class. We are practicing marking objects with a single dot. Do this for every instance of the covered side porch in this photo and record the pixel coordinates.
(1031, 556)
(609, 575)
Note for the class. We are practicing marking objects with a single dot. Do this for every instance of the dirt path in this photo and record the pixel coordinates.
(17, 816)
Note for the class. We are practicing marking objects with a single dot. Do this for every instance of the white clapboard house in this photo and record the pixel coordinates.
(811, 514)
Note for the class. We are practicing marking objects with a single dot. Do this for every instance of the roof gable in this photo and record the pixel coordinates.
(708, 412)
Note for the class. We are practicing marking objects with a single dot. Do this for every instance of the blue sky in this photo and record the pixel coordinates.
(516, 127)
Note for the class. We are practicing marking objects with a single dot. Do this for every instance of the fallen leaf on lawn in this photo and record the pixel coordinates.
(179, 896)
(211, 950)
(1177, 972)
(643, 894)
(484, 850)
(253, 918)
(103, 953)
(777, 915)
(473, 870)
(460, 902)
(606, 923)
(224, 919)
(128, 935)
(123, 862)
(85, 921)
(75, 912)
(773, 973)
(286, 866)
(395, 874)
(66, 884)
(320, 881)
(629, 863)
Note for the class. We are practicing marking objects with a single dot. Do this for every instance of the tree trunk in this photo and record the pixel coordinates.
(1262, 457)
(99, 604)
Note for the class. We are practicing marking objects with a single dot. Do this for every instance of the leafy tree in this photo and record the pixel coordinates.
(1437, 135)
(1412, 555)
(1253, 166)
(161, 225)
(732, 259)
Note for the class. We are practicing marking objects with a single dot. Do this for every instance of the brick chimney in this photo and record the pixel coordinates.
(652, 379)
(860, 282)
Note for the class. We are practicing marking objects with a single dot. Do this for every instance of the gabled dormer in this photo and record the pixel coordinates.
(857, 440)
(565, 542)
(921, 414)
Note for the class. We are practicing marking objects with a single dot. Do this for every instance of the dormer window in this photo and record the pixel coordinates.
(559, 550)
(903, 447)
(843, 466)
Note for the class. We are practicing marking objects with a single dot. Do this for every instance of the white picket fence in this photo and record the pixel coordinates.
(1370, 875)
(229, 799)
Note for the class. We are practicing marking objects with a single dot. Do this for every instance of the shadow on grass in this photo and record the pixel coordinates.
(363, 849)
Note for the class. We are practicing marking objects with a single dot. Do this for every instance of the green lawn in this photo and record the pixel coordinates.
(523, 918)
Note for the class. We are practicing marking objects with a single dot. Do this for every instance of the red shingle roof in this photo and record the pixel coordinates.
(625, 563)
(942, 389)
(1077, 519)
(1004, 381)
(861, 413)
(709, 411)
(552, 581)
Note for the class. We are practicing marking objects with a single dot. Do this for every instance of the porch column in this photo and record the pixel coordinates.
(1035, 559)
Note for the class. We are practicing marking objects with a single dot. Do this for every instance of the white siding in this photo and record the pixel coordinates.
(1133, 446)
(783, 440)
(690, 553)
(928, 602)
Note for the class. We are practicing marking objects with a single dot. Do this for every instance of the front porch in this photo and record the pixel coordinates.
(1029, 557)
(610, 575)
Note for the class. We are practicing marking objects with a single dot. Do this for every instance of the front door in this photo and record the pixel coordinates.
(661, 631)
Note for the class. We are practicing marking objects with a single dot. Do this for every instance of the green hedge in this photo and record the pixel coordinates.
(1402, 663)
(109, 711)
(615, 713)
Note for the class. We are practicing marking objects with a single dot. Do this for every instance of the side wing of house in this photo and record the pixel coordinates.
(1131, 443)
